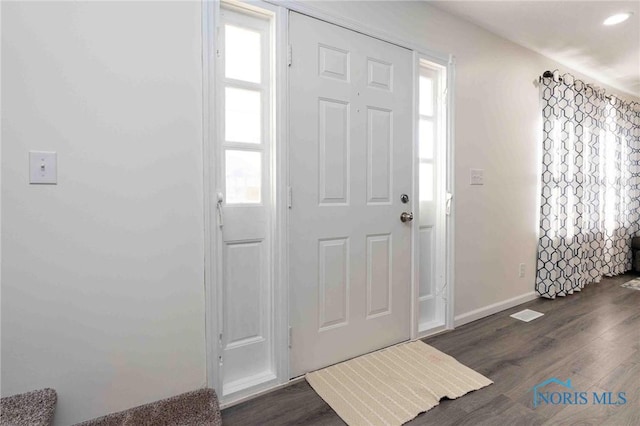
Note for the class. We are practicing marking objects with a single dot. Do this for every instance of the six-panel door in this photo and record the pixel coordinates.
(350, 162)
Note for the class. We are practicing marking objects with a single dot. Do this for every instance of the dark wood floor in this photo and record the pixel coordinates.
(592, 338)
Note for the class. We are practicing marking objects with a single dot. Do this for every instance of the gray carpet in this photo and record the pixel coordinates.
(197, 408)
(28, 409)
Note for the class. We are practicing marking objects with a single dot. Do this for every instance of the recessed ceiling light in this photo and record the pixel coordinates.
(617, 18)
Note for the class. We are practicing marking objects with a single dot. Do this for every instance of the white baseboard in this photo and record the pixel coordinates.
(485, 311)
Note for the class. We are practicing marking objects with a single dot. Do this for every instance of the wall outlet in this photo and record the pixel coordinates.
(521, 270)
(477, 176)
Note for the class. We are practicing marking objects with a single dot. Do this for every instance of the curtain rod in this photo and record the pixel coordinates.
(550, 74)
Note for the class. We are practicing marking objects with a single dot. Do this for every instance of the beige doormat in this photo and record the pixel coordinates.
(393, 385)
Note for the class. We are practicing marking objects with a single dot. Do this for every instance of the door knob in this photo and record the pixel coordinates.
(406, 217)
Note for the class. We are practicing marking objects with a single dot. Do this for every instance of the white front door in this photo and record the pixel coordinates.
(350, 162)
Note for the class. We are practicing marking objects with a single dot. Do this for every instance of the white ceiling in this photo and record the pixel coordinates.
(570, 32)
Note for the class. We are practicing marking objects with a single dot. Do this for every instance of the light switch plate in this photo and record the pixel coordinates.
(43, 167)
(477, 176)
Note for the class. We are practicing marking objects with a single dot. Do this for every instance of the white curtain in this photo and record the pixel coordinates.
(590, 201)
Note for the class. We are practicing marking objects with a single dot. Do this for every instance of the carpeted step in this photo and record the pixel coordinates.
(196, 408)
(34, 408)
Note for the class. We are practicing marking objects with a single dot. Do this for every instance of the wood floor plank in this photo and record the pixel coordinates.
(588, 414)
(505, 378)
(524, 393)
(626, 377)
(592, 337)
(295, 404)
(444, 414)
(626, 333)
(501, 410)
(595, 322)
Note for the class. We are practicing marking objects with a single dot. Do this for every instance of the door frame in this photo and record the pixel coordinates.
(211, 110)
(444, 241)
(212, 117)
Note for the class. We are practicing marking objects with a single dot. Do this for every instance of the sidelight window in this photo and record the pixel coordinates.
(247, 109)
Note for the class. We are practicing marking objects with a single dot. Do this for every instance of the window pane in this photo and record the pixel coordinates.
(242, 115)
(242, 54)
(426, 138)
(243, 170)
(426, 182)
(426, 96)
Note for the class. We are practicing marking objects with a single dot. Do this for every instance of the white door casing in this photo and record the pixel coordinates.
(351, 150)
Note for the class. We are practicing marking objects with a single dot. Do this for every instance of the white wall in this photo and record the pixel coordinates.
(102, 275)
(102, 279)
(497, 122)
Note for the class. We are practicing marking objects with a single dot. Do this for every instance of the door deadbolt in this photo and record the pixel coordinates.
(404, 198)
(406, 217)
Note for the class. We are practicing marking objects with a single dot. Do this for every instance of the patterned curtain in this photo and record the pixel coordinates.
(590, 205)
